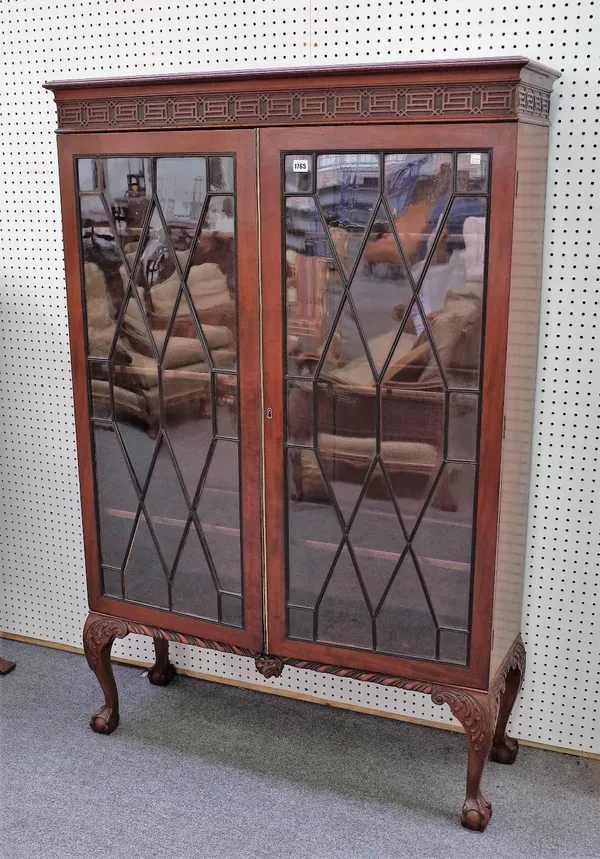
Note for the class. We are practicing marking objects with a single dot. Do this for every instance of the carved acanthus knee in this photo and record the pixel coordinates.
(476, 714)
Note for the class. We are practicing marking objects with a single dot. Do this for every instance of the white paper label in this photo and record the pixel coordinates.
(475, 158)
(300, 165)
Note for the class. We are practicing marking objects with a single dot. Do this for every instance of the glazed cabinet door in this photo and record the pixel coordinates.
(376, 275)
(162, 280)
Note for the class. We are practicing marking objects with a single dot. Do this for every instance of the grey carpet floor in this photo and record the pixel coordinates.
(205, 771)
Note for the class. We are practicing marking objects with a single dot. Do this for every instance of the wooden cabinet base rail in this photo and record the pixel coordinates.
(483, 715)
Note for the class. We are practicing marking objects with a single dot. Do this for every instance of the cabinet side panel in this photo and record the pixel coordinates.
(521, 366)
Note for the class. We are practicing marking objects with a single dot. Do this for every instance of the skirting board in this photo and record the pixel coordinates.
(298, 696)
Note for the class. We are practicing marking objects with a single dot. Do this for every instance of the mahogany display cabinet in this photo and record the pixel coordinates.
(303, 311)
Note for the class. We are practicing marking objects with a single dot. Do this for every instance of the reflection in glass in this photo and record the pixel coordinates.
(377, 540)
(166, 505)
(347, 193)
(347, 431)
(453, 646)
(112, 585)
(100, 390)
(298, 174)
(127, 187)
(381, 292)
(412, 437)
(211, 281)
(193, 588)
(159, 337)
(186, 399)
(313, 285)
(314, 531)
(231, 609)
(472, 172)
(299, 412)
(145, 576)
(226, 392)
(404, 623)
(181, 188)
(384, 290)
(462, 426)
(87, 174)
(300, 623)
(221, 173)
(219, 514)
(343, 616)
(116, 498)
(417, 189)
(102, 281)
(452, 293)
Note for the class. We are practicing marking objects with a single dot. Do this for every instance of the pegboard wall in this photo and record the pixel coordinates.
(41, 552)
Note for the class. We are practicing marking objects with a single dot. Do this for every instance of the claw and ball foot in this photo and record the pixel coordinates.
(163, 671)
(98, 636)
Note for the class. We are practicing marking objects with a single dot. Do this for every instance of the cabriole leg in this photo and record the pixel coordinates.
(98, 636)
(163, 671)
(475, 714)
(505, 748)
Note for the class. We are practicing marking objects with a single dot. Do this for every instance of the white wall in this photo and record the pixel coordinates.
(41, 555)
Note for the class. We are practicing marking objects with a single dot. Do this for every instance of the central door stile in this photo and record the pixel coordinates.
(263, 495)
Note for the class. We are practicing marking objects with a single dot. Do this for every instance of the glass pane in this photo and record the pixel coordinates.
(193, 588)
(100, 389)
(87, 174)
(156, 277)
(221, 172)
(453, 646)
(347, 427)
(111, 583)
(472, 172)
(343, 615)
(443, 545)
(300, 623)
(376, 537)
(102, 279)
(417, 188)
(314, 531)
(166, 506)
(381, 293)
(160, 330)
(186, 400)
(313, 285)
(299, 173)
(135, 389)
(452, 292)
(212, 281)
(116, 497)
(412, 443)
(145, 578)
(219, 514)
(300, 413)
(405, 625)
(462, 426)
(347, 192)
(181, 188)
(383, 315)
(226, 392)
(231, 610)
(127, 186)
